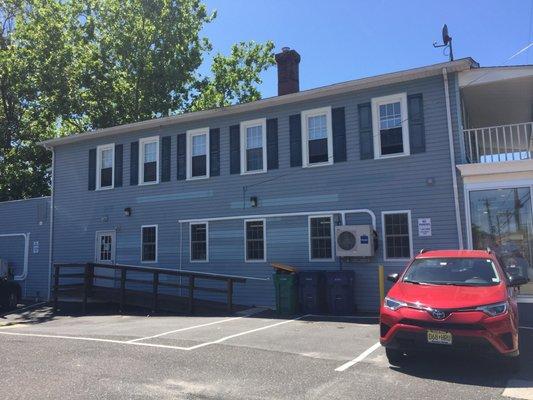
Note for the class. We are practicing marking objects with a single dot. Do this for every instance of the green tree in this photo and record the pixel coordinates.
(68, 66)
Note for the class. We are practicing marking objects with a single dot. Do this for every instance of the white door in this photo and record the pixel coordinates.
(105, 254)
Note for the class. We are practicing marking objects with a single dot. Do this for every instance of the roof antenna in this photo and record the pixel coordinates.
(446, 40)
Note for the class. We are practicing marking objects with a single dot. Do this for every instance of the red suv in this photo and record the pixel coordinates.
(451, 299)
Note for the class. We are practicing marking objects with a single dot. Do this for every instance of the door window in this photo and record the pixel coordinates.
(502, 220)
(105, 247)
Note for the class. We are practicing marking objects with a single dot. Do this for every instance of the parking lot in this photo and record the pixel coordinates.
(250, 355)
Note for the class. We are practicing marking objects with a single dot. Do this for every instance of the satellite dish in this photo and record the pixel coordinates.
(445, 37)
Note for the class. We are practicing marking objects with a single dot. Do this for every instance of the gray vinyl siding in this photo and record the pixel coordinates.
(30, 217)
(378, 185)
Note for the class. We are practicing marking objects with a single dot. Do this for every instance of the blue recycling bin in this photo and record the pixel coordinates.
(312, 292)
(340, 292)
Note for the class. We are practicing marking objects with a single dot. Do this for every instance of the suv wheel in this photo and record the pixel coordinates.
(394, 356)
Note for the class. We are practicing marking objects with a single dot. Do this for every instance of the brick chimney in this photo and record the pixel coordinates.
(288, 71)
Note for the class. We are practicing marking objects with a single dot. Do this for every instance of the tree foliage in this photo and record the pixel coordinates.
(68, 66)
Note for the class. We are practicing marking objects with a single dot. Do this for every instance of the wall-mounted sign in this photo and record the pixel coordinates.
(424, 227)
(35, 247)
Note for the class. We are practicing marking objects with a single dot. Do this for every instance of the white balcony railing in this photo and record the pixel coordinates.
(499, 143)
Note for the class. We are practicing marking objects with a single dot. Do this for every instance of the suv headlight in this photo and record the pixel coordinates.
(493, 309)
(393, 304)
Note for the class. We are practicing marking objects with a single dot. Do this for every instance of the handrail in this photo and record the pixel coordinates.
(499, 143)
(89, 276)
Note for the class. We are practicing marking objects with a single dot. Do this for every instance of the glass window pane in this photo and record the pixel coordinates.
(148, 243)
(502, 220)
(317, 127)
(198, 242)
(397, 240)
(254, 137)
(320, 239)
(150, 152)
(255, 245)
(107, 158)
(199, 145)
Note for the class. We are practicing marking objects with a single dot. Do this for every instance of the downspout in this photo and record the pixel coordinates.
(452, 159)
(51, 235)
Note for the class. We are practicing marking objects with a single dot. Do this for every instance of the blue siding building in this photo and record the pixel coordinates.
(234, 189)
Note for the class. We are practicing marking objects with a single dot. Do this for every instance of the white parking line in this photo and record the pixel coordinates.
(91, 340)
(359, 358)
(519, 389)
(246, 333)
(195, 327)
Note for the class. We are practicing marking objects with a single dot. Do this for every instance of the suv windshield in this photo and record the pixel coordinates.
(452, 271)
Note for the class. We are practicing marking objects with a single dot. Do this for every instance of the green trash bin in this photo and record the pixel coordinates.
(286, 294)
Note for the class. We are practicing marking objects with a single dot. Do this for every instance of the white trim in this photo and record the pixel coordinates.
(142, 142)
(331, 232)
(378, 101)
(384, 239)
(206, 224)
(156, 243)
(249, 124)
(113, 234)
(317, 93)
(293, 214)
(263, 220)
(26, 237)
(305, 135)
(458, 222)
(190, 134)
(99, 150)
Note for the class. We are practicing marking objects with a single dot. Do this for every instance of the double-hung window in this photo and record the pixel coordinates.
(317, 141)
(320, 238)
(391, 126)
(254, 240)
(253, 146)
(149, 160)
(397, 235)
(105, 161)
(198, 150)
(149, 243)
(199, 239)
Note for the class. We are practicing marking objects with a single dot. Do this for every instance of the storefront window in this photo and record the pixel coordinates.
(502, 220)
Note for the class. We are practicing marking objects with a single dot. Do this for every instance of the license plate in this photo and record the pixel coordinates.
(439, 337)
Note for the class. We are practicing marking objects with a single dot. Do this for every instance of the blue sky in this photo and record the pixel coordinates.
(341, 40)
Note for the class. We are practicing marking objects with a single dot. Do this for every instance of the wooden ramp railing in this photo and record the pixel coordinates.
(82, 279)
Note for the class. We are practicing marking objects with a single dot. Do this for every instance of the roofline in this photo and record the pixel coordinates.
(338, 88)
(28, 199)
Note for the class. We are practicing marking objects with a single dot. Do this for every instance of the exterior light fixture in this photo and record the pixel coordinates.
(127, 211)
(253, 201)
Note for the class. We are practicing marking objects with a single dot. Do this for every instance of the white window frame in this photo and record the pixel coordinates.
(156, 243)
(305, 135)
(248, 124)
(113, 234)
(332, 234)
(142, 142)
(206, 241)
(264, 241)
(378, 101)
(99, 150)
(384, 238)
(190, 134)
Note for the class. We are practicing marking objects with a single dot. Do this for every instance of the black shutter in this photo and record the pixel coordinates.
(119, 159)
(182, 156)
(295, 132)
(235, 149)
(214, 152)
(134, 163)
(366, 139)
(272, 143)
(92, 169)
(339, 134)
(166, 143)
(417, 137)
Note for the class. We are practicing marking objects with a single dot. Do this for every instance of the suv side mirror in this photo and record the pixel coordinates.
(517, 280)
(393, 277)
